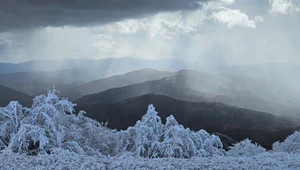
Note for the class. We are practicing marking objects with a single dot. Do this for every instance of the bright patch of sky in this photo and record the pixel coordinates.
(224, 31)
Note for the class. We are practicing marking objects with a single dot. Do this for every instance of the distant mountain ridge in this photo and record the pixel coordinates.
(148, 87)
(190, 85)
(35, 83)
(100, 85)
(66, 74)
(7, 95)
(105, 67)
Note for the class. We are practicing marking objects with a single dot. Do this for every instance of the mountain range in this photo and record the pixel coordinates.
(100, 85)
(230, 104)
(102, 67)
(190, 85)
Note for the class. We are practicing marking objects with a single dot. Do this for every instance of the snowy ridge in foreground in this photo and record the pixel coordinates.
(65, 160)
(49, 136)
(50, 125)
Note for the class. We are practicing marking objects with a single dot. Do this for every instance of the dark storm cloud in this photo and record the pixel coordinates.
(20, 14)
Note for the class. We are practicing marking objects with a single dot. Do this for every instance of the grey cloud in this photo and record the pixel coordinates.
(20, 14)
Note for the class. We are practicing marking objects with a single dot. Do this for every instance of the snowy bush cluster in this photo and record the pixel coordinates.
(50, 127)
(245, 148)
(150, 138)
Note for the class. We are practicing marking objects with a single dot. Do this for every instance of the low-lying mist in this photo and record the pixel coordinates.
(272, 88)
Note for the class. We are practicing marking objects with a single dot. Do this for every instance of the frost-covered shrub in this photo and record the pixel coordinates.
(150, 138)
(39, 129)
(144, 138)
(179, 142)
(10, 118)
(291, 144)
(49, 124)
(245, 148)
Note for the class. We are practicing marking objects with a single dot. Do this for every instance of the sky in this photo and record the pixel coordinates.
(225, 32)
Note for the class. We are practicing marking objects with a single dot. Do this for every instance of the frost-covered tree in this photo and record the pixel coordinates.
(150, 138)
(179, 142)
(291, 144)
(145, 137)
(49, 124)
(245, 148)
(40, 129)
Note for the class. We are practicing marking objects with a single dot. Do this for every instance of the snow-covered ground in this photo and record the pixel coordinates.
(270, 161)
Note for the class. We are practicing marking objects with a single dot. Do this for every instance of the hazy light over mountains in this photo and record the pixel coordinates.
(216, 32)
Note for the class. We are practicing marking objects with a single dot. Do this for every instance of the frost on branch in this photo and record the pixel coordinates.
(291, 144)
(150, 138)
(245, 148)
